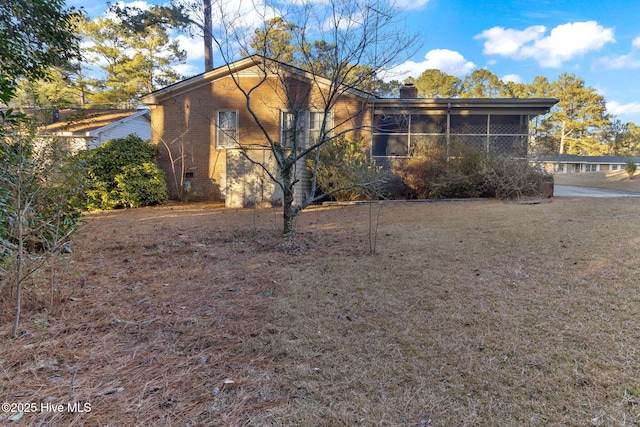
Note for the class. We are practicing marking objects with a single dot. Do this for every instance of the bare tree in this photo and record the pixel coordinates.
(342, 44)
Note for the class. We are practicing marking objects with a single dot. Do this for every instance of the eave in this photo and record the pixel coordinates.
(226, 70)
(467, 106)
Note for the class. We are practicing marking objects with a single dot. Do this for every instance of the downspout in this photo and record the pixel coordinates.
(448, 130)
(372, 127)
(488, 132)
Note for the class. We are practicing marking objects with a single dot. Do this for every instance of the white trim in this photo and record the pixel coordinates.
(218, 130)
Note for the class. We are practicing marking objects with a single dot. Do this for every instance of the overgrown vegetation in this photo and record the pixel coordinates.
(346, 173)
(41, 195)
(432, 172)
(124, 173)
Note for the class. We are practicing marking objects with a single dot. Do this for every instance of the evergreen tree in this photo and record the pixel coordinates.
(481, 83)
(438, 84)
(579, 120)
(136, 61)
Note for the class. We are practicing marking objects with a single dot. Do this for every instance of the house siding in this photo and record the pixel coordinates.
(138, 126)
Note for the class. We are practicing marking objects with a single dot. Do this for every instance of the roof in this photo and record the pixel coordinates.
(574, 158)
(79, 121)
(237, 67)
(531, 106)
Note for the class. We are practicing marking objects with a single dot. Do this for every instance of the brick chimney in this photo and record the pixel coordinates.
(408, 91)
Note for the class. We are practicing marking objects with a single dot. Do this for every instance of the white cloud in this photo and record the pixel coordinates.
(507, 42)
(512, 78)
(142, 5)
(623, 62)
(614, 107)
(194, 46)
(563, 43)
(446, 60)
(410, 4)
(186, 70)
(620, 62)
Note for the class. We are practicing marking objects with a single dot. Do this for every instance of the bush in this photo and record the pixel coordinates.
(630, 168)
(124, 173)
(42, 189)
(507, 178)
(140, 185)
(431, 174)
(346, 173)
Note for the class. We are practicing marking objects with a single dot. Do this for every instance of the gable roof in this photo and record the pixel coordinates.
(84, 122)
(239, 66)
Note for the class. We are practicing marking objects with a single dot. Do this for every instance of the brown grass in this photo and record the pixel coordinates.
(475, 313)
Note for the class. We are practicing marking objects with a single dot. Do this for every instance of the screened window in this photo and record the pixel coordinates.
(227, 129)
(391, 135)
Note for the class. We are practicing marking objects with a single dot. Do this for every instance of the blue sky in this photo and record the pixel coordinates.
(596, 40)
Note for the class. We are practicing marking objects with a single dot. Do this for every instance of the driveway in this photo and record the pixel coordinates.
(574, 191)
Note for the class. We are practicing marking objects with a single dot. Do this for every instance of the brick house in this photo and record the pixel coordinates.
(210, 141)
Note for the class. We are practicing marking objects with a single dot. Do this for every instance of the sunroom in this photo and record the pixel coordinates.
(404, 126)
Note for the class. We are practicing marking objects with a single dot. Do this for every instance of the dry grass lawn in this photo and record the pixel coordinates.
(478, 313)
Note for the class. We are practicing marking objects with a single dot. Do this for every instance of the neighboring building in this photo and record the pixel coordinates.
(573, 163)
(210, 143)
(89, 128)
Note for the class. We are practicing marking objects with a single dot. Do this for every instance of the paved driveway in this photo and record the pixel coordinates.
(574, 191)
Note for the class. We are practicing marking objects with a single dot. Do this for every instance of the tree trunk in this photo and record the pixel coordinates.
(20, 212)
(208, 38)
(289, 212)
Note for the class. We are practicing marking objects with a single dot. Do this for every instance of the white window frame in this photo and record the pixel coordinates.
(226, 137)
(314, 131)
(286, 127)
(309, 126)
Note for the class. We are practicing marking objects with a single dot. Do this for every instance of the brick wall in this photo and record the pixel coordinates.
(184, 128)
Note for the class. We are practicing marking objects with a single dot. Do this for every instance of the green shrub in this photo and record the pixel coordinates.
(630, 168)
(124, 173)
(140, 185)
